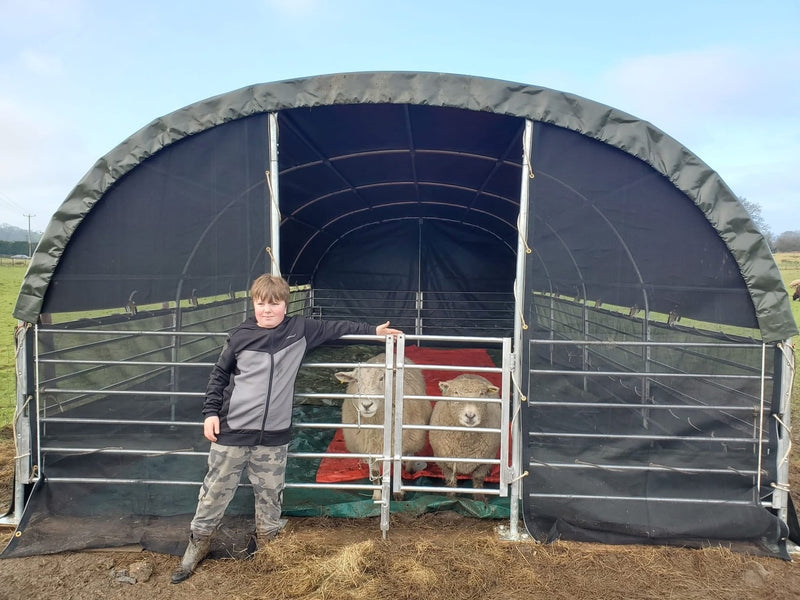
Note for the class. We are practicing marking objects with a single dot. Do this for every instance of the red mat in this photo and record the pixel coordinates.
(334, 470)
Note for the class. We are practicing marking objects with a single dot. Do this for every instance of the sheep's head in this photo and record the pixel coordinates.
(796, 285)
(468, 414)
(364, 381)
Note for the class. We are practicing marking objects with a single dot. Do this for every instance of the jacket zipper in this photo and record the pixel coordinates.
(269, 395)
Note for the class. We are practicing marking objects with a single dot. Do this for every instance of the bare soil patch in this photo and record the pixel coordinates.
(438, 556)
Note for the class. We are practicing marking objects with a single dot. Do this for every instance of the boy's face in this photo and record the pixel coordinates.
(269, 313)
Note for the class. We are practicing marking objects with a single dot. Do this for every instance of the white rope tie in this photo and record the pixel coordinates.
(783, 487)
(272, 194)
(522, 396)
(519, 310)
(277, 268)
(531, 176)
(788, 429)
(358, 412)
(529, 162)
(522, 239)
(788, 355)
(518, 477)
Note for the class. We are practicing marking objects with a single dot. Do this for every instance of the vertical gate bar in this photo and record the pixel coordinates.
(647, 356)
(399, 390)
(177, 324)
(585, 353)
(419, 305)
(508, 427)
(388, 410)
(36, 406)
(552, 325)
(505, 422)
(761, 422)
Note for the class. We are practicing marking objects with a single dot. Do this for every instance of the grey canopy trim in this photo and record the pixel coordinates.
(618, 129)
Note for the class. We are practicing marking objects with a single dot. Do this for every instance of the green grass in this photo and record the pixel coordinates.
(789, 264)
(11, 276)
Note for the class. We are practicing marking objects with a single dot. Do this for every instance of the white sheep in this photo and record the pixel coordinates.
(370, 411)
(466, 444)
(796, 285)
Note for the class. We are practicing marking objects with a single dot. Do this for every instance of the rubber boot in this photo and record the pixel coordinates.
(257, 541)
(252, 547)
(195, 552)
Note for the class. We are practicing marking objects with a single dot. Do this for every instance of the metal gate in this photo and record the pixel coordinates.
(635, 429)
(119, 396)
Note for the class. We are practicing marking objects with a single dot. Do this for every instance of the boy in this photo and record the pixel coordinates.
(248, 411)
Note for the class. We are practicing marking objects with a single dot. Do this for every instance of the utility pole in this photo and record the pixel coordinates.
(30, 246)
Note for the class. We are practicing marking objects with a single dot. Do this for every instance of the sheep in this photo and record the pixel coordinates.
(370, 380)
(466, 444)
(796, 285)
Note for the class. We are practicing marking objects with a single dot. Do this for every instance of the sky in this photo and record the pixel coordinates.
(78, 77)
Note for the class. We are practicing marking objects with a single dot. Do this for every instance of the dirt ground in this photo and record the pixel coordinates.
(439, 556)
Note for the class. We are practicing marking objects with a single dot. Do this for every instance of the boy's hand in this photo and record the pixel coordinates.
(211, 428)
(384, 329)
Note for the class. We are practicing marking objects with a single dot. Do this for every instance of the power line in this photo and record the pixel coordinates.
(10, 202)
(30, 244)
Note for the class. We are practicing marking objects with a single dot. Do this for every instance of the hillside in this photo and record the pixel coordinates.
(9, 233)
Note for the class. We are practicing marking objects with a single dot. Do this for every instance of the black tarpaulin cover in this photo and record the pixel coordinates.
(397, 186)
(359, 151)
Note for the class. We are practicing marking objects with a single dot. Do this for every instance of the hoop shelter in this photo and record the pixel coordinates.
(651, 328)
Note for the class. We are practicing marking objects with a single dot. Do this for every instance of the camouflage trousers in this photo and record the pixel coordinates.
(266, 470)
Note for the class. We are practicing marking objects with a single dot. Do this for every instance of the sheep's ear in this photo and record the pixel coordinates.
(346, 376)
(493, 389)
(444, 386)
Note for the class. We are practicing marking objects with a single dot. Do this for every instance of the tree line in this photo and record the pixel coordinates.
(788, 241)
(14, 248)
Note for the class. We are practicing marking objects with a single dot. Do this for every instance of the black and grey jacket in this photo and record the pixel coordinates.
(251, 387)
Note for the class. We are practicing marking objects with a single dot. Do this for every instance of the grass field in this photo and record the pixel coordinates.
(11, 276)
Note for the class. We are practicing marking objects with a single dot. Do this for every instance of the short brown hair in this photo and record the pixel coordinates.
(271, 288)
